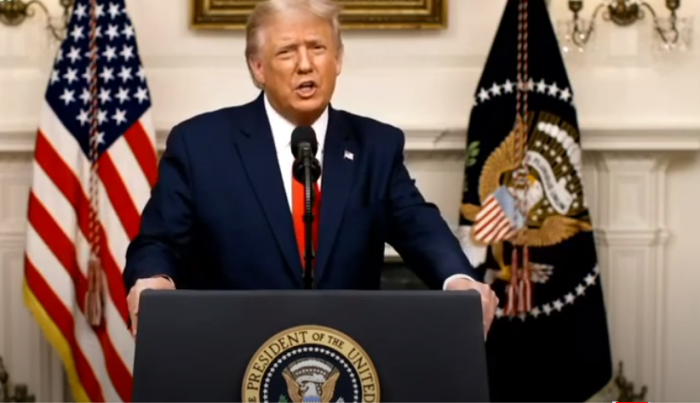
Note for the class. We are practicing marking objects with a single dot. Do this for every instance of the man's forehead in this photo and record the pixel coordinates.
(295, 37)
(295, 23)
(299, 34)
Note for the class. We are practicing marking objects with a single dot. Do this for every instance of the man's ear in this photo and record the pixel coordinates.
(256, 69)
(339, 60)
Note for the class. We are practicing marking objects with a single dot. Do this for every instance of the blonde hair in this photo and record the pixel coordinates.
(327, 10)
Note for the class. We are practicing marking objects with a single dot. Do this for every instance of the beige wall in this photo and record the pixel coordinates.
(641, 133)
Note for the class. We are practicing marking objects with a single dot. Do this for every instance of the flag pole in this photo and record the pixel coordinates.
(519, 291)
(95, 296)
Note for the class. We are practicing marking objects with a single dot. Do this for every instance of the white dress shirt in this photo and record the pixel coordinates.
(282, 134)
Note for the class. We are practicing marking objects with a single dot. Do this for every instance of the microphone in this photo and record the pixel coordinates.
(306, 170)
(304, 148)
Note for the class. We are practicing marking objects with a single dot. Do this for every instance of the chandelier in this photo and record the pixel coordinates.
(670, 33)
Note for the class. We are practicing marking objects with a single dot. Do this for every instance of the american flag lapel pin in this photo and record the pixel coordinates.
(348, 155)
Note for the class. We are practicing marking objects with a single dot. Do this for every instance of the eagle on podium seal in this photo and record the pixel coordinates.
(310, 364)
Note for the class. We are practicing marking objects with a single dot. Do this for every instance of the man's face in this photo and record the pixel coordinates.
(298, 63)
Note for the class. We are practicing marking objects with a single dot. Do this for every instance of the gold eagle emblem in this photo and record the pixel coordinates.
(297, 391)
(544, 226)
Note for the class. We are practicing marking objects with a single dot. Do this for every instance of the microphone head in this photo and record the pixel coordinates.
(301, 135)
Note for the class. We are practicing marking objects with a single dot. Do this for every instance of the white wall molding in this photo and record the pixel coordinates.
(19, 138)
(633, 238)
(633, 212)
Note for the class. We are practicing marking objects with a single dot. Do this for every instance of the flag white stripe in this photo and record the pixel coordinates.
(488, 225)
(122, 340)
(488, 207)
(495, 229)
(123, 158)
(55, 274)
(50, 268)
(64, 144)
(492, 213)
(64, 216)
(147, 124)
(54, 201)
(491, 222)
(130, 172)
(503, 229)
(116, 235)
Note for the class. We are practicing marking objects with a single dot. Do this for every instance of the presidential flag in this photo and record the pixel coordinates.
(525, 222)
(94, 166)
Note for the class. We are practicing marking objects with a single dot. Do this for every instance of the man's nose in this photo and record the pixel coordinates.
(305, 62)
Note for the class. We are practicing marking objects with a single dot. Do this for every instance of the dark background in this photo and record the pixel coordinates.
(395, 276)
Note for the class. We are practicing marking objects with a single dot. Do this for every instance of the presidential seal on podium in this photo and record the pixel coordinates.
(310, 364)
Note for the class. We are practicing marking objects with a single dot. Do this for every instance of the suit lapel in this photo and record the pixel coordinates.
(257, 152)
(340, 159)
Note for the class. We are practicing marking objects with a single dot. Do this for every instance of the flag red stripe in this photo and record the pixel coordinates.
(491, 222)
(502, 229)
(64, 250)
(488, 206)
(487, 215)
(119, 196)
(143, 150)
(66, 181)
(494, 225)
(63, 320)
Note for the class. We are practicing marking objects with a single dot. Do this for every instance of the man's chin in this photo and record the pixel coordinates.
(309, 105)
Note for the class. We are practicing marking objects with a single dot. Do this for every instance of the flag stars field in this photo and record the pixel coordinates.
(508, 87)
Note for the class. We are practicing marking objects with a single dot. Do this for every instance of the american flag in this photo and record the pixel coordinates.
(96, 69)
(498, 218)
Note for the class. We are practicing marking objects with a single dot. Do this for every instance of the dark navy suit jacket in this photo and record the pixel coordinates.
(218, 217)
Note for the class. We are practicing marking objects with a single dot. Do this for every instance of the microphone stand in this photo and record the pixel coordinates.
(309, 200)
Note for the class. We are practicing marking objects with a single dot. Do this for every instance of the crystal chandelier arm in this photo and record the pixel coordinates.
(580, 38)
(14, 12)
(673, 31)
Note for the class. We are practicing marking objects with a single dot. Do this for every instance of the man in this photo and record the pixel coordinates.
(225, 210)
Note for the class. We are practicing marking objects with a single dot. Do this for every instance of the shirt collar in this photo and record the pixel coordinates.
(282, 128)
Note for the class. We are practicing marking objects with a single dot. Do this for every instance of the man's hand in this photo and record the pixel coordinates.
(489, 300)
(154, 283)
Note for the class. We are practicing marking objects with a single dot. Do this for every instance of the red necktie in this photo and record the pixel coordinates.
(298, 216)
